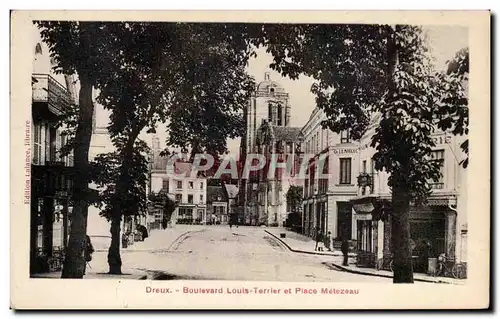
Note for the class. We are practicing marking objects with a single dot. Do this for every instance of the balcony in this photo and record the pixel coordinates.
(46, 90)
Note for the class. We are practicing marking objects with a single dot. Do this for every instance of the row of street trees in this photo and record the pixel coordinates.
(192, 76)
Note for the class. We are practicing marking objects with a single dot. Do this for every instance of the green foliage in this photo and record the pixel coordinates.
(106, 172)
(213, 89)
(454, 105)
(359, 75)
(294, 197)
(162, 199)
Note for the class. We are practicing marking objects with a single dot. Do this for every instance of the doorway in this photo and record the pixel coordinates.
(344, 220)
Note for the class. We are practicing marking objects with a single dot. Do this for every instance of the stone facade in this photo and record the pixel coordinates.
(268, 132)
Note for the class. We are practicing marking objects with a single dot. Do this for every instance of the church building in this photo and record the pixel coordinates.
(268, 132)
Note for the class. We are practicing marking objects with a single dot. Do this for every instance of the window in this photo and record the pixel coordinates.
(190, 198)
(201, 185)
(280, 112)
(364, 166)
(47, 143)
(37, 144)
(345, 137)
(345, 171)
(191, 185)
(165, 184)
(179, 184)
(270, 113)
(53, 144)
(178, 198)
(438, 155)
(201, 198)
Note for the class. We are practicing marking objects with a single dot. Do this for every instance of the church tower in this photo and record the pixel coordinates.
(270, 103)
(262, 198)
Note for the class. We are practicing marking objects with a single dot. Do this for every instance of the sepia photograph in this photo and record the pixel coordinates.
(250, 159)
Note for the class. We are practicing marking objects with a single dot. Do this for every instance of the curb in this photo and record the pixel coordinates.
(342, 268)
(303, 251)
(176, 240)
(345, 269)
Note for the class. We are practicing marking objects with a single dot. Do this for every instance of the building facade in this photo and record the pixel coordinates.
(217, 205)
(330, 180)
(268, 132)
(190, 193)
(51, 173)
(442, 222)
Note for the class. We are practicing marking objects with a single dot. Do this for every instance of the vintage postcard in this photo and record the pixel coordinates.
(250, 160)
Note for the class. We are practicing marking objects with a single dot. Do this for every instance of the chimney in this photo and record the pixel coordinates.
(266, 76)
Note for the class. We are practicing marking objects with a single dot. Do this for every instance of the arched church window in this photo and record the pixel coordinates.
(280, 113)
(38, 48)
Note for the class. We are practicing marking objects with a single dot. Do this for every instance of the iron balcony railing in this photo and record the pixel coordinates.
(46, 89)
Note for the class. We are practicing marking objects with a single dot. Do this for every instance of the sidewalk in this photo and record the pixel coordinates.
(303, 244)
(132, 257)
(352, 268)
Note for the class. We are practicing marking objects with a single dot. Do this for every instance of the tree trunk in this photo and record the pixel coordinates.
(114, 258)
(402, 262)
(400, 224)
(74, 263)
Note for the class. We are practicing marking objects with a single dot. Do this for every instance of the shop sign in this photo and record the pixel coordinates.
(364, 217)
(363, 208)
(345, 151)
(442, 139)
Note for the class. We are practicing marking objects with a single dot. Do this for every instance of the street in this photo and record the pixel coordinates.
(221, 253)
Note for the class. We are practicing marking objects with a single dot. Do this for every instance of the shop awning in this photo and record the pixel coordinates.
(370, 204)
(364, 204)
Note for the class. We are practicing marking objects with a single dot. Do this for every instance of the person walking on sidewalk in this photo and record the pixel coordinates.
(89, 250)
(319, 241)
(328, 241)
(345, 251)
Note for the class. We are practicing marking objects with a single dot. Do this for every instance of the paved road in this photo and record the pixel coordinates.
(244, 253)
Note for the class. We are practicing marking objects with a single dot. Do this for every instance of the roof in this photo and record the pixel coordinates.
(288, 134)
(216, 194)
(231, 190)
(267, 85)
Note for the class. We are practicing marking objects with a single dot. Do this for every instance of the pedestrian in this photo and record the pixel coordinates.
(89, 250)
(424, 256)
(328, 241)
(319, 241)
(345, 251)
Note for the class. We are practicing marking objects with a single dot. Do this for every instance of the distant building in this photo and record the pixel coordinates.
(190, 193)
(263, 198)
(217, 205)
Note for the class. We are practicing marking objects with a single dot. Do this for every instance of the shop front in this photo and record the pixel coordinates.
(50, 209)
(371, 212)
